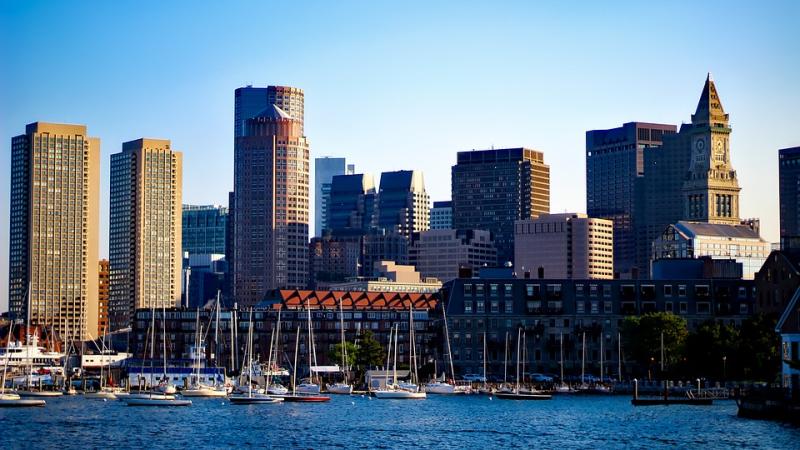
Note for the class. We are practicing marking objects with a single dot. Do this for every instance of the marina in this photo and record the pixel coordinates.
(472, 421)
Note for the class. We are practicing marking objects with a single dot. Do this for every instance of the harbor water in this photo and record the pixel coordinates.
(363, 422)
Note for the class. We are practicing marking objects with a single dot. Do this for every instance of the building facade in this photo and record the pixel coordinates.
(249, 101)
(145, 228)
(204, 229)
(551, 311)
(569, 245)
(614, 163)
(493, 188)
(720, 241)
(789, 192)
(271, 187)
(351, 204)
(54, 228)
(103, 294)
(442, 215)
(334, 258)
(403, 204)
(325, 169)
(442, 253)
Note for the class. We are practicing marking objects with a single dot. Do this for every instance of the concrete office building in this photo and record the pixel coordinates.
(789, 191)
(271, 187)
(351, 204)
(441, 253)
(493, 188)
(54, 228)
(740, 242)
(403, 204)
(325, 169)
(614, 163)
(145, 228)
(204, 229)
(390, 277)
(569, 246)
(442, 215)
(690, 177)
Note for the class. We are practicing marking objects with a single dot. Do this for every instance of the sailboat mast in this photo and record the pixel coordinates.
(619, 357)
(602, 336)
(447, 339)
(164, 336)
(583, 355)
(484, 359)
(396, 335)
(519, 334)
(505, 362)
(250, 354)
(8, 357)
(28, 337)
(561, 342)
(310, 344)
(233, 341)
(344, 346)
(294, 367)
(216, 331)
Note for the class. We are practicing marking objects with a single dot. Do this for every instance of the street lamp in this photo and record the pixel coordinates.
(724, 367)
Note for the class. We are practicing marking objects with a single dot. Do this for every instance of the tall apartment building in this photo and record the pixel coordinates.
(351, 202)
(690, 177)
(441, 253)
(325, 169)
(403, 204)
(442, 215)
(614, 163)
(789, 191)
(145, 228)
(271, 188)
(569, 246)
(103, 292)
(54, 228)
(204, 229)
(493, 188)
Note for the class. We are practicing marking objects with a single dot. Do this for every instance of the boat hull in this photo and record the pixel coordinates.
(213, 393)
(513, 396)
(306, 398)
(155, 402)
(21, 403)
(100, 395)
(254, 400)
(40, 393)
(441, 389)
(399, 395)
(343, 389)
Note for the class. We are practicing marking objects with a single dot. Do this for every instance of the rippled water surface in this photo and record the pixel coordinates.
(361, 422)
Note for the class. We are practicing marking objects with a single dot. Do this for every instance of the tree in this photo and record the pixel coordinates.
(335, 354)
(712, 351)
(643, 333)
(370, 352)
(759, 348)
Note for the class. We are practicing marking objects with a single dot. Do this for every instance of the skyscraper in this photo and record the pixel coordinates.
(614, 161)
(204, 229)
(54, 226)
(442, 215)
(493, 188)
(271, 188)
(403, 204)
(690, 177)
(789, 187)
(351, 203)
(145, 228)
(325, 169)
(102, 296)
(249, 101)
(443, 252)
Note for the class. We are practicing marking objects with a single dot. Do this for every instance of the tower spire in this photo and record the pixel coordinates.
(709, 107)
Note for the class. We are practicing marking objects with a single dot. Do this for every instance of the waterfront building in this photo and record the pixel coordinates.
(390, 277)
(54, 228)
(690, 177)
(569, 245)
(204, 229)
(325, 169)
(376, 312)
(442, 253)
(351, 203)
(789, 192)
(145, 228)
(403, 204)
(103, 294)
(614, 163)
(442, 215)
(493, 188)
(549, 310)
(720, 241)
(271, 187)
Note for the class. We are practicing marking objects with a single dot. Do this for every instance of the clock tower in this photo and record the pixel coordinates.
(711, 189)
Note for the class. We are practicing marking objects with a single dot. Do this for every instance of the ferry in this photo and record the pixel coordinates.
(18, 355)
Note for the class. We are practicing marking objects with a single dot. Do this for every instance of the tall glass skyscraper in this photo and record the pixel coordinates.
(403, 203)
(325, 169)
(204, 229)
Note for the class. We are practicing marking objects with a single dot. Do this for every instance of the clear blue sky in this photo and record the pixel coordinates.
(402, 85)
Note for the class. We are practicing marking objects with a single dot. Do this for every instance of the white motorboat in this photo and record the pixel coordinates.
(398, 394)
(9, 396)
(277, 389)
(205, 391)
(155, 400)
(307, 388)
(39, 393)
(9, 400)
(438, 387)
(143, 395)
(102, 394)
(17, 354)
(254, 399)
(340, 388)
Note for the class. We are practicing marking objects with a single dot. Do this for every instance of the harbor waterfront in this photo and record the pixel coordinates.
(358, 421)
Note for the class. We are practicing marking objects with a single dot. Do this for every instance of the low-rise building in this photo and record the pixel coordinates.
(390, 277)
(441, 253)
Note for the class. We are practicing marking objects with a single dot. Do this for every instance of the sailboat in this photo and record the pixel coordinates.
(196, 388)
(301, 398)
(563, 388)
(164, 386)
(342, 387)
(10, 399)
(310, 387)
(30, 340)
(252, 398)
(397, 391)
(105, 392)
(517, 393)
(485, 390)
(443, 387)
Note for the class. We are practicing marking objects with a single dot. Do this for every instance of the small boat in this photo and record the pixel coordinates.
(277, 389)
(144, 395)
(399, 394)
(254, 399)
(102, 394)
(340, 388)
(155, 400)
(308, 388)
(294, 398)
(564, 389)
(70, 391)
(205, 391)
(522, 396)
(438, 387)
(39, 393)
(9, 400)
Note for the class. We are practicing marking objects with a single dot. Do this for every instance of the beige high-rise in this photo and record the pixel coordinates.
(55, 214)
(564, 246)
(145, 229)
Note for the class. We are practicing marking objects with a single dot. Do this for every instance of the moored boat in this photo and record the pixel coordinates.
(155, 400)
(340, 388)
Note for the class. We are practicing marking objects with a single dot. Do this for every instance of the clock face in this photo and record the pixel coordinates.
(700, 145)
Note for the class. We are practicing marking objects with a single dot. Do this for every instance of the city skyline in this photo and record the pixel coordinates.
(546, 95)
